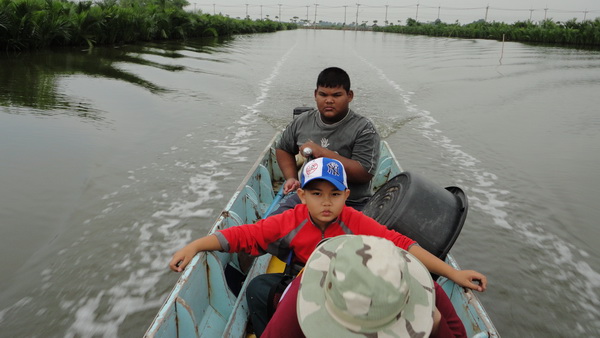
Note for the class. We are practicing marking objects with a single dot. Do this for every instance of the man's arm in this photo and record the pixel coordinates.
(287, 164)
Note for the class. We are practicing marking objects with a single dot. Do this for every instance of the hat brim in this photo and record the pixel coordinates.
(339, 186)
(316, 321)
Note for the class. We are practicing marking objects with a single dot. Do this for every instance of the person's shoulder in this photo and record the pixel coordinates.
(352, 215)
(307, 114)
(307, 117)
(354, 114)
(364, 124)
(359, 117)
(300, 210)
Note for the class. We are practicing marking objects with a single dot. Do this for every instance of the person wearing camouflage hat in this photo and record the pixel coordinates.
(285, 321)
(357, 285)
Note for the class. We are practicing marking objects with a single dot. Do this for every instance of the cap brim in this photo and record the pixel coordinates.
(315, 320)
(337, 184)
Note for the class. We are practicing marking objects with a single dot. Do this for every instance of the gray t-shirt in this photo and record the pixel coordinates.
(354, 137)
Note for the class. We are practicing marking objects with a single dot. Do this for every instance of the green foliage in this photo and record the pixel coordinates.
(572, 32)
(34, 24)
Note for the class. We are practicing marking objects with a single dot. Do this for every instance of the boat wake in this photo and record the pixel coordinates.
(172, 223)
(561, 260)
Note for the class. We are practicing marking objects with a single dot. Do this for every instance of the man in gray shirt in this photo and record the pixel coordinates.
(333, 131)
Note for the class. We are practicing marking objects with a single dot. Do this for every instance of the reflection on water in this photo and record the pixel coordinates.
(59, 181)
(31, 80)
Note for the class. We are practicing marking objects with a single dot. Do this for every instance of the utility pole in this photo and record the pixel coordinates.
(279, 12)
(386, 9)
(486, 12)
(261, 17)
(307, 15)
(530, 14)
(247, 11)
(315, 22)
(214, 11)
(356, 27)
(439, 12)
(345, 8)
(417, 15)
(545, 12)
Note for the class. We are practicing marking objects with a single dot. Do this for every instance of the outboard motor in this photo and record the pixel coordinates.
(421, 210)
(300, 110)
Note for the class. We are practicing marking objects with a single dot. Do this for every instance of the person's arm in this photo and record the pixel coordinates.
(355, 171)
(182, 257)
(464, 278)
(287, 164)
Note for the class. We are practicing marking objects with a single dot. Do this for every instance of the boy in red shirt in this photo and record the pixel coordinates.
(322, 214)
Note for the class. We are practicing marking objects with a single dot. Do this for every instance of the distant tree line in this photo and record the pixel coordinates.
(35, 24)
(572, 32)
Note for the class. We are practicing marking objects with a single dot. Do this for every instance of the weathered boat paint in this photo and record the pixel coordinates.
(202, 305)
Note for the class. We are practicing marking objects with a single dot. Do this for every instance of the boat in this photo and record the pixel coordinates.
(209, 299)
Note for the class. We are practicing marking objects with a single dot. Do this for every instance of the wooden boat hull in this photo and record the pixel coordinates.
(201, 304)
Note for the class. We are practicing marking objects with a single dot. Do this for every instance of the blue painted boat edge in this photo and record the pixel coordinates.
(167, 322)
(468, 307)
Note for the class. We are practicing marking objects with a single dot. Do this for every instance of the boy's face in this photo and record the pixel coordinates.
(333, 103)
(324, 201)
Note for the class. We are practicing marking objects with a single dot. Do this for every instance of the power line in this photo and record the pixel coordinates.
(391, 13)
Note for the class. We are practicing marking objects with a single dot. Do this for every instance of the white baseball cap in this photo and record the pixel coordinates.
(325, 169)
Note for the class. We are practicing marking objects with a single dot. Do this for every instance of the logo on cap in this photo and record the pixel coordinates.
(333, 169)
(311, 167)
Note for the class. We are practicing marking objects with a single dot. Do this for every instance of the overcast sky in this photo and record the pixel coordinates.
(465, 11)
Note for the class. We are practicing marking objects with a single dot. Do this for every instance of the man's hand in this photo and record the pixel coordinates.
(291, 184)
(287, 164)
(355, 171)
(316, 150)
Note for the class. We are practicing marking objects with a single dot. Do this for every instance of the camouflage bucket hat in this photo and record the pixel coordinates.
(357, 286)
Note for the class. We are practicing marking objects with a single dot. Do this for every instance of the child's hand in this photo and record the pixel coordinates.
(181, 259)
(470, 279)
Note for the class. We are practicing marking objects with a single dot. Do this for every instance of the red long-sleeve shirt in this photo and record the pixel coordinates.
(294, 230)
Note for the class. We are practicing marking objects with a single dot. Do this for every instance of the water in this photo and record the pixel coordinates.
(112, 159)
